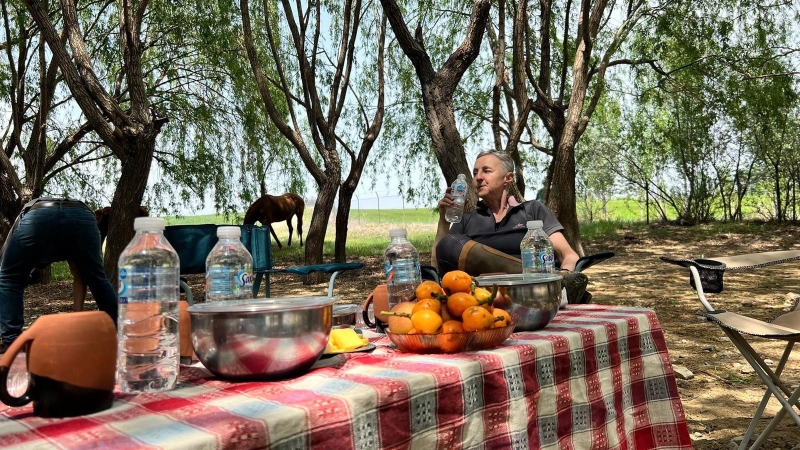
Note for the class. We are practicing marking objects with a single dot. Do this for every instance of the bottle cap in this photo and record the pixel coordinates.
(229, 232)
(461, 175)
(535, 224)
(148, 224)
(398, 232)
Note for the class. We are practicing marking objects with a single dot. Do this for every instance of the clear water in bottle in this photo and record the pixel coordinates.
(401, 267)
(458, 190)
(149, 276)
(536, 250)
(229, 267)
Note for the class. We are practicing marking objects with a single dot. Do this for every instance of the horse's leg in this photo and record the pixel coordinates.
(272, 230)
(300, 226)
(289, 224)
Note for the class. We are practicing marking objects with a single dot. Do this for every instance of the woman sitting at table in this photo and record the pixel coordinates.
(488, 238)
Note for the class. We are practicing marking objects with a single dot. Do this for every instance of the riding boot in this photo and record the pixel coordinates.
(459, 252)
(575, 283)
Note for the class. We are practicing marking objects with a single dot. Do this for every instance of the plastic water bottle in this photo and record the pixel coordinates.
(458, 190)
(229, 267)
(149, 277)
(536, 249)
(401, 267)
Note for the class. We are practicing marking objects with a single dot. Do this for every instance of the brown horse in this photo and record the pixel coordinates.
(269, 209)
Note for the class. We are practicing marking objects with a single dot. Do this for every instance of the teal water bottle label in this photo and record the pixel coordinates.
(528, 259)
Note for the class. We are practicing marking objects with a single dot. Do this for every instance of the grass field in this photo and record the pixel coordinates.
(368, 230)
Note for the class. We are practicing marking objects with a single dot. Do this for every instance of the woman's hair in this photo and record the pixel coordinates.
(505, 159)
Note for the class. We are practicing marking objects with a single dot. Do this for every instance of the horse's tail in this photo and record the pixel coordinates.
(299, 209)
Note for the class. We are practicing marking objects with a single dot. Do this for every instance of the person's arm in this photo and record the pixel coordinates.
(564, 251)
(443, 227)
(78, 288)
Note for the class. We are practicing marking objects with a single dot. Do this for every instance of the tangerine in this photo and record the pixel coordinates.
(502, 318)
(428, 289)
(452, 327)
(459, 302)
(426, 321)
(456, 281)
(476, 318)
(428, 303)
(486, 298)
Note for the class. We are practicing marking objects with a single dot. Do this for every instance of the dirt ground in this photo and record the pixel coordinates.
(721, 397)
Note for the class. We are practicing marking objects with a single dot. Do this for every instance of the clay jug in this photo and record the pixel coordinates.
(379, 298)
(71, 360)
(185, 328)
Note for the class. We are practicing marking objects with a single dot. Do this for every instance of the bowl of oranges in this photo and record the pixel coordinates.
(455, 316)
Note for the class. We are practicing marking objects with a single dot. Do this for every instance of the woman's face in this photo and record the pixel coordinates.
(489, 178)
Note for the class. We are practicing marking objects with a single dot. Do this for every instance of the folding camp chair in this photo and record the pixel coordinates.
(707, 276)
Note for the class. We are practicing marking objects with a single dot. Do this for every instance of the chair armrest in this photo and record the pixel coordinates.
(588, 261)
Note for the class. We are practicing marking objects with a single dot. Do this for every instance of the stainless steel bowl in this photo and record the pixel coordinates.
(261, 338)
(532, 299)
(345, 315)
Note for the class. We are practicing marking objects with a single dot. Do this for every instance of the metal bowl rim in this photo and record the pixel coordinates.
(520, 279)
(343, 310)
(260, 305)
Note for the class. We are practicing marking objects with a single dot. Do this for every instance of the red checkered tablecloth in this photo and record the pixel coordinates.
(596, 377)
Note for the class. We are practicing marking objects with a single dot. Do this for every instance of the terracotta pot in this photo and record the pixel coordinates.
(71, 359)
(185, 329)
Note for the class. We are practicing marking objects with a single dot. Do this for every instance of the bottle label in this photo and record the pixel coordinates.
(546, 260)
(244, 279)
(227, 282)
(460, 190)
(160, 284)
(401, 272)
(528, 259)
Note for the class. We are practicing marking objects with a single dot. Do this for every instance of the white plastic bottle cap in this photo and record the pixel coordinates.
(535, 224)
(398, 232)
(229, 232)
(148, 224)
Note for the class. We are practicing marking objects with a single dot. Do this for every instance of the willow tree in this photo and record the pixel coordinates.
(331, 123)
(130, 128)
(556, 67)
(35, 143)
(438, 86)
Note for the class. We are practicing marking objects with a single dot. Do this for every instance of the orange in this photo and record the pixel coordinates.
(428, 289)
(456, 281)
(476, 318)
(485, 298)
(452, 327)
(459, 302)
(501, 317)
(429, 303)
(426, 321)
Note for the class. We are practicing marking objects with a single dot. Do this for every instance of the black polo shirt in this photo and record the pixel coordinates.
(507, 234)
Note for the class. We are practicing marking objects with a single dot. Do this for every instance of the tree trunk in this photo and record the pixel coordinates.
(562, 201)
(445, 137)
(10, 206)
(342, 219)
(128, 196)
(315, 238)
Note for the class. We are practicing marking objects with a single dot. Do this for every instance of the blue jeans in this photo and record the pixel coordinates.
(44, 235)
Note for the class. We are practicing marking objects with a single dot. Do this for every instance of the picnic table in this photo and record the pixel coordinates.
(595, 377)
